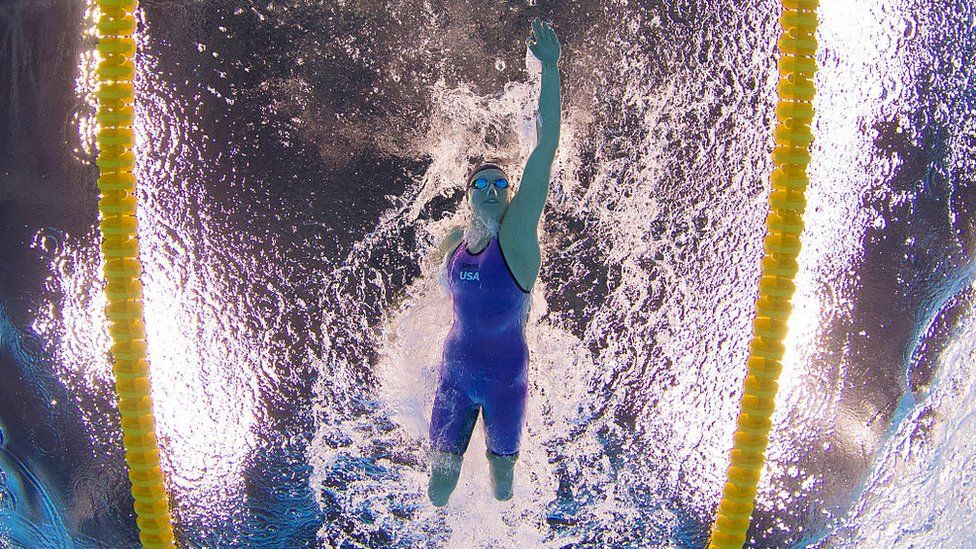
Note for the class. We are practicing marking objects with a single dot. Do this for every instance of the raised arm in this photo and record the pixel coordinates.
(522, 217)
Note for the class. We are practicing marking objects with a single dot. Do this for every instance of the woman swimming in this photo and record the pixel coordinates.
(490, 272)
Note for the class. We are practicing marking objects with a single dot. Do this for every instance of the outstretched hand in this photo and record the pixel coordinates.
(543, 42)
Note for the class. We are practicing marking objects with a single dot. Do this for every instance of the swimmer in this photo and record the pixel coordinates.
(491, 269)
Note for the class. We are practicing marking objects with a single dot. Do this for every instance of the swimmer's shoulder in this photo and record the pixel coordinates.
(457, 233)
(450, 243)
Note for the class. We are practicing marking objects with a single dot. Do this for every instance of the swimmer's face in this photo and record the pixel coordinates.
(490, 201)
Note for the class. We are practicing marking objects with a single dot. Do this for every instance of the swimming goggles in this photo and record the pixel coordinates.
(481, 183)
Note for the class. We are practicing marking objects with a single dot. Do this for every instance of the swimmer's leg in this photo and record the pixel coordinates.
(451, 425)
(504, 412)
(502, 474)
(445, 468)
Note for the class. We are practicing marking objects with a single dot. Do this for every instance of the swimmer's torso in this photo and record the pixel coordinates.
(490, 311)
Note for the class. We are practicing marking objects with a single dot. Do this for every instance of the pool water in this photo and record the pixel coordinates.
(300, 160)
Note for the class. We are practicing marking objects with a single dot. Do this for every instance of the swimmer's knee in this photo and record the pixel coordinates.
(440, 459)
(492, 454)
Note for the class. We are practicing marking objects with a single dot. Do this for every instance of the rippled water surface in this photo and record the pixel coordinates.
(300, 160)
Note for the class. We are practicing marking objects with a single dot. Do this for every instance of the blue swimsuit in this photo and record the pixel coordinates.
(485, 355)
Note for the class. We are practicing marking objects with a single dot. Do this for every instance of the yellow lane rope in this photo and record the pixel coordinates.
(120, 249)
(794, 113)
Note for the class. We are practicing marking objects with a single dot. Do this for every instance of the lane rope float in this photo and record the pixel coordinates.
(120, 251)
(791, 156)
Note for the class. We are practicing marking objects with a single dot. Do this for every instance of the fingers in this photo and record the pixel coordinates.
(542, 36)
(542, 31)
